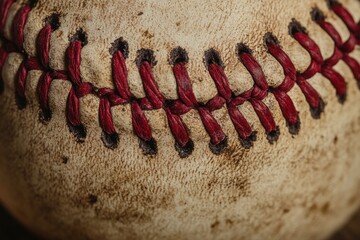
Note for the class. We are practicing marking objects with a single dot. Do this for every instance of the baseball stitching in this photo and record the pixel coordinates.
(187, 101)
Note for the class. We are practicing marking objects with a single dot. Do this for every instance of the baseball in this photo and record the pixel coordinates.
(154, 119)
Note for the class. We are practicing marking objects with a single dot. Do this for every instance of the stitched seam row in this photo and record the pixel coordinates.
(187, 101)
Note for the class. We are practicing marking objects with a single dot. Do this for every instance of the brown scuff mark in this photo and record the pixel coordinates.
(134, 205)
(124, 206)
(218, 225)
(315, 209)
(147, 34)
(215, 226)
(234, 154)
(235, 187)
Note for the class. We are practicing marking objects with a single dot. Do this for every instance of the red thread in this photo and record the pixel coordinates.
(43, 47)
(6, 48)
(157, 101)
(258, 92)
(280, 93)
(4, 9)
(318, 65)
(121, 94)
(342, 50)
(346, 18)
(184, 85)
(19, 26)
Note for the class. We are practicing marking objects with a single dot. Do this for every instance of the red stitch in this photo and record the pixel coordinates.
(73, 118)
(21, 76)
(246, 135)
(18, 34)
(59, 75)
(345, 17)
(32, 63)
(178, 128)
(259, 92)
(145, 104)
(6, 47)
(221, 81)
(184, 85)
(145, 62)
(286, 104)
(19, 25)
(216, 70)
(217, 103)
(140, 123)
(319, 65)
(73, 54)
(73, 57)
(173, 109)
(317, 105)
(142, 128)
(179, 59)
(218, 140)
(109, 137)
(341, 50)
(3, 57)
(43, 94)
(153, 93)
(120, 75)
(43, 47)
(4, 9)
(252, 66)
(212, 126)
(154, 100)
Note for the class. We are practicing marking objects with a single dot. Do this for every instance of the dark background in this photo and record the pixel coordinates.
(10, 229)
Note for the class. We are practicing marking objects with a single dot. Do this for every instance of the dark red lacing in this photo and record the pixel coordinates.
(187, 101)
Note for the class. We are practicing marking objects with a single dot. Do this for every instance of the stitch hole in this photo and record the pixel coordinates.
(269, 38)
(219, 148)
(32, 3)
(248, 142)
(273, 136)
(92, 199)
(64, 160)
(80, 36)
(317, 15)
(45, 116)
(296, 27)
(213, 57)
(54, 21)
(294, 129)
(178, 55)
(242, 48)
(149, 147)
(316, 112)
(79, 132)
(331, 3)
(342, 98)
(110, 140)
(120, 45)
(145, 55)
(21, 102)
(186, 150)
